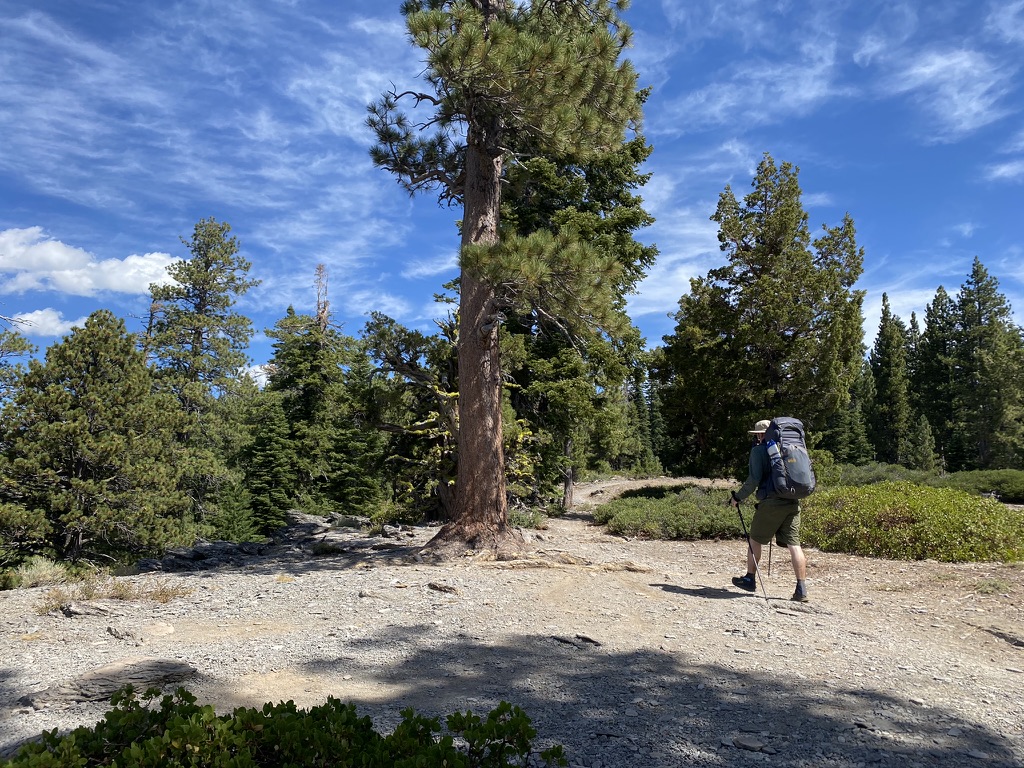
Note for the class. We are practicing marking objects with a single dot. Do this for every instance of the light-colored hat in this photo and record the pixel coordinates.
(760, 427)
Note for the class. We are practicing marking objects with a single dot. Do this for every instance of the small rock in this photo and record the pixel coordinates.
(748, 743)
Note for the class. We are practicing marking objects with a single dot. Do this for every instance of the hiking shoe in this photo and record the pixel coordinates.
(747, 582)
(799, 596)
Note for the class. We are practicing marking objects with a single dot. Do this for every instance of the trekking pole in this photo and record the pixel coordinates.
(770, 559)
(750, 549)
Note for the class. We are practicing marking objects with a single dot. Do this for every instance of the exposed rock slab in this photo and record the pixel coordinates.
(101, 683)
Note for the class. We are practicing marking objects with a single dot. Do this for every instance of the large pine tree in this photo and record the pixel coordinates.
(776, 331)
(989, 383)
(91, 447)
(198, 344)
(502, 75)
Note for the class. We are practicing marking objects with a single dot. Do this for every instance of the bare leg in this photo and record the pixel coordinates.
(799, 561)
(753, 555)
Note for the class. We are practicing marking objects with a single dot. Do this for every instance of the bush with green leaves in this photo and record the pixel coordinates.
(1006, 484)
(826, 471)
(905, 521)
(687, 513)
(880, 472)
(178, 732)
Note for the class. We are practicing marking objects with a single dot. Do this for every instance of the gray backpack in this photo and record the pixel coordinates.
(792, 476)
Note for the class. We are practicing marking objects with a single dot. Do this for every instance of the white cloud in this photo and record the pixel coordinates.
(689, 247)
(364, 302)
(817, 199)
(1006, 21)
(758, 93)
(896, 23)
(961, 89)
(694, 21)
(439, 265)
(1009, 171)
(966, 229)
(46, 323)
(31, 260)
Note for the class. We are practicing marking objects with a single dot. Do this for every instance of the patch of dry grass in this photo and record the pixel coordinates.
(97, 587)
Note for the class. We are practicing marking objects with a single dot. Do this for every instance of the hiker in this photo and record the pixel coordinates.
(772, 517)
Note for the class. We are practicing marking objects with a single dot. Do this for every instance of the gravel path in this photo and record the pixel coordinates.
(628, 652)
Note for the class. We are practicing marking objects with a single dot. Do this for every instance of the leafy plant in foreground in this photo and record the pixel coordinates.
(179, 732)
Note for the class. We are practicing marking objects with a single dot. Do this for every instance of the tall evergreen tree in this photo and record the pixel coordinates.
(501, 74)
(595, 199)
(989, 383)
(268, 463)
(775, 331)
(934, 376)
(335, 453)
(198, 343)
(91, 447)
(891, 417)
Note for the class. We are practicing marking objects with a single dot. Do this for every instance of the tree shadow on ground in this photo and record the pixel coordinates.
(657, 708)
(710, 593)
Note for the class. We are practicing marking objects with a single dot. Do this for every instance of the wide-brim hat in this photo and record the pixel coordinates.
(761, 427)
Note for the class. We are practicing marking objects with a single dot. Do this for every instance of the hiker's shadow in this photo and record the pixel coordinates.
(711, 593)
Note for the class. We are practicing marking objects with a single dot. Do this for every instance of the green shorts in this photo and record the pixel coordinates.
(779, 518)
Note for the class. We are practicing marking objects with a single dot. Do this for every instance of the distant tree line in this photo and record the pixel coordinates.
(777, 330)
(117, 444)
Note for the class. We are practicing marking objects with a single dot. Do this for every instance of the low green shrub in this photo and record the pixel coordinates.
(879, 472)
(1006, 484)
(178, 732)
(905, 521)
(687, 513)
(532, 519)
(826, 471)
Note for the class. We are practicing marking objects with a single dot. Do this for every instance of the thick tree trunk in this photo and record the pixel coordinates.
(481, 511)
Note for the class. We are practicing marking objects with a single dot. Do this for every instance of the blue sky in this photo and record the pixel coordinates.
(124, 123)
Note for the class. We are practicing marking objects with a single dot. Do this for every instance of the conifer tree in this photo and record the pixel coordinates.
(890, 418)
(776, 331)
(91, 446)
(934, 375)
(503, 75)
(414, 401)
(921, 446)
(13, 345)
(197, 342)
(268, 463)
(599, 422)
(318, 373)
(988, 389)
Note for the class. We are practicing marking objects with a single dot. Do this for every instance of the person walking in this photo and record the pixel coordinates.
(772, 517)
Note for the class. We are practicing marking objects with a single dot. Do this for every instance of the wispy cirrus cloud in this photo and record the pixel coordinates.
(757, 93)
(1012, 170)
(444, 264)
(1005, 21)
(961, 90)
(694, 21)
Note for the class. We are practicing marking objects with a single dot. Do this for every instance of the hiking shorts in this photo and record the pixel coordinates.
(779, 518)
